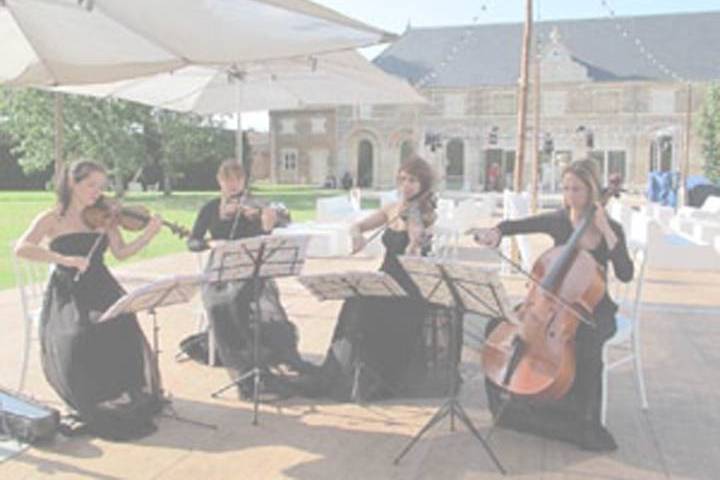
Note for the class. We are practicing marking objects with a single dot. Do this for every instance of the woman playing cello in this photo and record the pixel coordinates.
(576, 416)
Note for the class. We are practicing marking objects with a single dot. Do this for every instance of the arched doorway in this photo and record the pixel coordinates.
(662, 154)
(455, 166)
(365, 164)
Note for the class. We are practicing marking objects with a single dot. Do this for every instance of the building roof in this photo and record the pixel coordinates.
(462, 56)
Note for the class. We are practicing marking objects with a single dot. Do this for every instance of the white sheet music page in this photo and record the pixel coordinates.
(161, 293)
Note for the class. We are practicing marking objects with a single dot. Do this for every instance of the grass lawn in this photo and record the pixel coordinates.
(17, 209)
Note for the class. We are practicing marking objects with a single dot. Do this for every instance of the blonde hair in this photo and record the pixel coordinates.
(587, 171)
(230, 169)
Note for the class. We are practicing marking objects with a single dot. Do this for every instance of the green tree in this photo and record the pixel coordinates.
(27, 117)
(710, 133)
(123, 136)
(184, 139)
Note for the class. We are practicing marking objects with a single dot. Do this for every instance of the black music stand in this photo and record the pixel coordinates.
(345, 285)
(461, 289)
(253, 260)
(148, 298)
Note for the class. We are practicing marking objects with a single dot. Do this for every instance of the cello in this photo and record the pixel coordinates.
(535, 356)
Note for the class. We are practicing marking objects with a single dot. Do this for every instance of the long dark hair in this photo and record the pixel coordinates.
(71, 174)
(420, 169)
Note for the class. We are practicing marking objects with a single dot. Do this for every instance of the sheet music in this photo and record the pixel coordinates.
(236, 259)
(161, 293)
(425, 274)
(343, 285)
(480, 289)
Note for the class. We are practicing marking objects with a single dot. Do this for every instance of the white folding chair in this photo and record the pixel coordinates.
(31, 279)
(515, 206)
(201, 319)
(625, 346)
(443, 228)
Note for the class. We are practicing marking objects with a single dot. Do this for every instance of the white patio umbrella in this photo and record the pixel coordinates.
(60, 42)
(339, 78)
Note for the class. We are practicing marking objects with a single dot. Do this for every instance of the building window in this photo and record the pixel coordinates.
(554, 103)
(364, 112)
(287, 126)
(318, 125)
(607, 101)
(662, 102)
(504, 103)
(289, 160)
(455, 164)
(616, 163)
(454, 105)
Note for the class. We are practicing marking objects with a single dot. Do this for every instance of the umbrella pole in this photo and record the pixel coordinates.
(238, 130)
(59, 140)
(239, 140)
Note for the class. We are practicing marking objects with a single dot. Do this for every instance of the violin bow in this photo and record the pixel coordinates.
(90, 254)
(383, 227)
(580, 315)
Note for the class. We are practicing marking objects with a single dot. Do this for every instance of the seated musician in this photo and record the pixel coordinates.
(103, 370)
(386, 335)
(576, 417)
(230, 307)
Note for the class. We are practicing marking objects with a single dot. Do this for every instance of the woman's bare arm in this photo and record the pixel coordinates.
(29, 245)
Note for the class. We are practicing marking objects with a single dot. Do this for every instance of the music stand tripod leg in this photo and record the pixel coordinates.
(165, 400)
(439, 415)
(465, 419)
(255, 372)
(452, 405)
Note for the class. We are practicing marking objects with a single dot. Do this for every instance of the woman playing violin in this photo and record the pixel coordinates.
(103, 371)
(385, 334)
(235, 216)
(576, 417)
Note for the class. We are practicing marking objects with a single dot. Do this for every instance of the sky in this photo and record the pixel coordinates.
(395, 15)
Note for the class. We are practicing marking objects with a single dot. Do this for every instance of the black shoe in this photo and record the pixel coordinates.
(597, 439)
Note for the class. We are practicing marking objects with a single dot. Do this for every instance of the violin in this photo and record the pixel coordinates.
(107, 213)
(411, 213)
(244, 205)
(535, 356)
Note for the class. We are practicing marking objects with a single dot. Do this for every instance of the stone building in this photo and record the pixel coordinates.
(259, 143)
(614, 88)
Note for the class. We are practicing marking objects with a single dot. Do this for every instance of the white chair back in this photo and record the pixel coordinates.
(388, 197)
(31, 280)
(443, 231)
(627, 337)
(465, 215)
(517, 206)
(335, 209)
(711, 205)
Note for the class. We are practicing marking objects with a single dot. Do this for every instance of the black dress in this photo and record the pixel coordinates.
(104, 371)
(576, 417)
(230, 307)
(395, 346)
